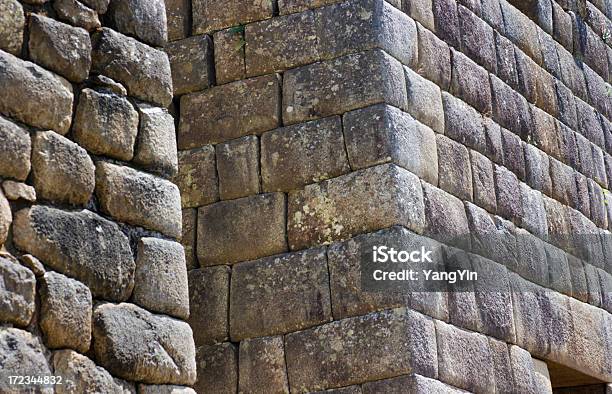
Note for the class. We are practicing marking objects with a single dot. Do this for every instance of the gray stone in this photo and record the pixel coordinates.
(522, 370)
(65, 312)
(229, 55)
(537, 169)
(447, 21)
(18, 191)
(197, 177)
(589, 125)
(541, 376)
(521, 31)
(559, 273)
(143, 19)
(138, 198)
(424, 101)
(510, 109)
(61, 170)
(18, 290)
(414, 384)
(61, 48)
(188, 239)
(494, 149)
(421, 11)
(100, 6)
(191, 61)
(238, 167)
(483, 181)
(12, 25)
(217, 369)
(509, 202)
(15, 147)
(502, 367)
(134, 344)
(106, 124)
(156, 146)
(455, 174)
(261, 366)
(567, 105)
(77, 14)
(470, 82)
(6, 218)
(48, 97)
(506, 60)
(211, 15)
(533, 218)
(291, 6)
(463, 123)
(445, 217)
(108, 84)
(514, 155)
(563, 183)
(209, 303)
(477, 39)
(434, 59)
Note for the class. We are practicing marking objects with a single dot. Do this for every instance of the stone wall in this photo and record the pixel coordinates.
(310, 130)
(93, 283)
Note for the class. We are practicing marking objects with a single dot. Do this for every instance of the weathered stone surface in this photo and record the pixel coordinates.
(156, 146)
(238, 167)
(447, 21)
(178, 15)
(143, 19)
(292, 6)
(197, 177)
(61, 170)
(65, 312)
(541, 376)
(191, 61)
(421, 11)
(6, 218)
(463, 123)
(82, 245)
(276, 295)
(99, 5)
(356, 389)
(470, 82)
(502, 367)
(483, 181)
(164, 389)
(434, 61)
(33, 264)
(295, 156)
(563, 183)
(256, 223)
(362, 201)
(454, 168)
(514, 155)
(12, 25)
(217, 369)
(77, 14)
(18, 289)
(134, 344)
(106, 124)
(188, 239)
(382, 133)
(33, 95)
(506, 60)
(522, 370)
(477, 39)
(262, 366)
(137, 198)
(229, 111)
(211, 15)
(229, 55)
(415, 384)
(445, 217)
(537, 169)
(509, 202)
(533, 218)
(340, 85)
(21, 353)
(209, 303)
(160, 280)
(521, 31)
(120, 58)
(589, 124)
(15, 147)
(424, 101)
(104, 82)
(510, 109)
(82, 375)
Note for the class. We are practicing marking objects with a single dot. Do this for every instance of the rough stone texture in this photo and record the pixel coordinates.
(132, 343)
(256, 223)
(537, 169)
(454, 168)
(470, 83)
(99, 5)
(483, 181)
(191, 64)
(238, 167)
(178, 15)
(6, 218)
(211, 15)
(33, 95)
(197, 177)
(61, 48)
(424, 101)
(416, 384)
(434, 59)
(463, 123)
(15, 148)
(77, 14)
(477, 39)
(160, 280)
(188, 239)
(138, 198)
(217, 369)
(156, 144)
(445, 217)
(143, 19)
(11, 26)
(510, 109)
(61, 170)
(291, 291)
(18, 289)
(262, 366)
(209, 304)
(106, 124)
(164, 389)
(65, 312)
(509, 202)
(229, 55)
(82, 245)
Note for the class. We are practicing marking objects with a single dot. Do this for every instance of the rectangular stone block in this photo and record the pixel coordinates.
(455, 174)
(537, 169)
(229, 111)
(229, 55)
(521, 31)
(445, 217)
(156, 144)
(424, 101)
(255, 223)
(178, 14)
(292, 6)
(197, 177)
(434, 59)
(483, 181)
(463, 123)
(447, 21)
(509, 203)
(295, 156)
(188, 239)
(238, 167)
(276, 295)
(209, 290)
(377, 197)
(477, 39)
(217, 369)
(421, 11)
(506, 60)
(514, 156)
(209, 15)
(510, 109)
(470, 82)
(262, 366)
(191, 62)
(336, 86)
(416, 384)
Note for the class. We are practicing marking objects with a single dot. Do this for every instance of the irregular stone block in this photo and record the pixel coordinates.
(188, 239)
(60, 47)
(295, 156)
(424, 101)
(521, 31)
(470, 82)
(33, 264)
(61, 170)
(209, 303)
(178, 15)
(564, 183)
(262, 366)
(537, 169)
(421, 11)
(137, 198)
(454, 168)
(15, 147)
(18, 290)
(382, 133)
(589, 124)
(344, 84)
(291, 291)
(506, 60)
(445, 217)
(197, 177)
(106, 124)
(379, 197)
(257, 223)
(238, 167)
(434, 61)
(18, 191)
(48, 97)
(229, 111)
(81, 245)
(514, 156)
(447, 21)
(156, 146)
(571, 74)
(65, 312)
(463, 123)
(134, 344)
(510, 109)
(77, 14)
(493, 149)
(522, 370)
(99, 5)
(6, 218)
(160, 280)
(191, 61)
(477, 39)
(120, 57)
(217, 369)
(416, 384)
(483, 181)
(537, 85)
(211, 15)
(509, 203)
(143, 19)
(12, 24)
(230, 55)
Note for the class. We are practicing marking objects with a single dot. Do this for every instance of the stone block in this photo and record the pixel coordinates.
(477, 39)
(256, 223)
(598, 91)
(81, 245)
(521, 31)
(416, 384)
(209, 290)
(178, 15)
(49, 97)
(599, 166)
(21, 353)
(490, 11)
(276, 295)
(483, 181)
(589, 124)
(238, 167)
(33, 264)
(134, 344)
(562, 26)
(548, 134)
(549, 54)
(379, 197)
(470, 82)
(156, 144)
(15, 148)
(455, 175)
(18, 292)
(61, 48)
(493, 149)
(463, 123)
(77, 14)
(564, 183)
(106, 124)
(6, 218)
(534, 213)
(160, 279)
(447, 21)
(537, 169)
(191, 62)
(65, 312)
(424, 101)
(138, 198)
(509, 202)
(217, 369)
(445, 217)
(209, 15)
(197, 177)
(229, 55)
(567, 105)
(514, 155)
(382, 133)
(61, 170)
(522, 370)
(295, 156)
(229, 111)
(18, 191)
(12, 25)
(164, 389)
(355, 389)
(120, 57)
(599, 214)
(144, 19)
(510, 109)
(261, 366)
(292, 6)
(571, 74)
(434, 61)
(340, 85)
(99, 5)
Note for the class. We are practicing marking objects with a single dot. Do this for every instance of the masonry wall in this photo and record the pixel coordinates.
(93, 289)
(311, 130)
